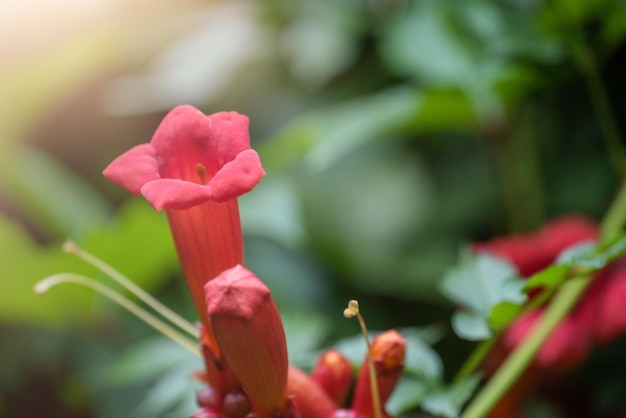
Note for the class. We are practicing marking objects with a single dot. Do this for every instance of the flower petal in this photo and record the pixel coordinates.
(175, 194)
(187, 137)
(237, 177)
(134, 168)
(230, 135)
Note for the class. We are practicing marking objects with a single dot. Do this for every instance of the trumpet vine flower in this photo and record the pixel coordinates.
(194, 168)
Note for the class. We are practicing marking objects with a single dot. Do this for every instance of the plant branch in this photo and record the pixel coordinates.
(519, 360)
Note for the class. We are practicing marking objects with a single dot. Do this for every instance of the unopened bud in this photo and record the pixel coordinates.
(205, 413)
(237, 405)
(388, 351)
(250, 335)
(208, 397)
(309, 399)
(333, 373)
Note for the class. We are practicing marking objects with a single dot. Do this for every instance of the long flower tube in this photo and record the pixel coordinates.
(194, 168)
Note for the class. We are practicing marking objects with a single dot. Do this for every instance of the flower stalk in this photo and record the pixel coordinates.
(70, 247)
(46, 284)
(353, 311)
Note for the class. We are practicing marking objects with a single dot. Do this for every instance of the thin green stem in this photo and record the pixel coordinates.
(614, 220)
(602, 107)
(519, 360)
(49, 282)
(475, 359)
(372, 370)
(70, 247)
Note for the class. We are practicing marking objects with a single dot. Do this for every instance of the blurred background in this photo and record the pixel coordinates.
(393, 133)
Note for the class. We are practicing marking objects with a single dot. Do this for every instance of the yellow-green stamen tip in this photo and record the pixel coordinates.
(352, 310)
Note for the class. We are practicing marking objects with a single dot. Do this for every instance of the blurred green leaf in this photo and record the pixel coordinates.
(139, 246)
(362, 213)
(24, 263)
(448, 401)
(478, 284)
(421, 359)
(588, 255)
(470, 326)
(408, 394)
(324, 137)
(161, 363)
(138, 243)
(598, 256)
(54, 199)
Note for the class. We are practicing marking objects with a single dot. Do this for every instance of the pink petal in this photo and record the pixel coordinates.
(237, 177)
(175, 194)
(187, 137)
(230, 136)
(134, 168)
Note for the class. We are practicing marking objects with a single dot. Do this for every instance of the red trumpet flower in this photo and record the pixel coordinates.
(194, 167)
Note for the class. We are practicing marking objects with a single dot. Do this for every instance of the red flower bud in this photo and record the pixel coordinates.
(250, 334)
(311, 401)
(333, 373)
(205, 413)
(388, 350)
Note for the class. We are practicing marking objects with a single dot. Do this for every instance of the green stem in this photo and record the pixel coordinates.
(49, 282)
(602, 107)
(519, 360)
(70, 247)
(614, 220)
(475, 359)
(370, 363)
(565, 299)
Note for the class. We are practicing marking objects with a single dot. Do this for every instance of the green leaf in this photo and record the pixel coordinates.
(421, 359)
(139, 245)
(599, 256)
(448, 402)
(547, 278)
(324, 137)
(477, 285)
(407, 395)
(470, 326)
(571, 254)
(54, 199)
(165, 367)
(503, 314)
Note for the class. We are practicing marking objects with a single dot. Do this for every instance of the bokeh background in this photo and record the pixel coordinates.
(393, 133)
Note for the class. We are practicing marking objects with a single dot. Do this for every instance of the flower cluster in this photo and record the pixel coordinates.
(194, 168)
(597, 319)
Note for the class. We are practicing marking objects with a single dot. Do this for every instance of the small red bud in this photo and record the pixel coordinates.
(205, 413)
(208, 397)
(237, 405)
(344, 413)
(309, 398)
(333, 373)
(388, 350)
